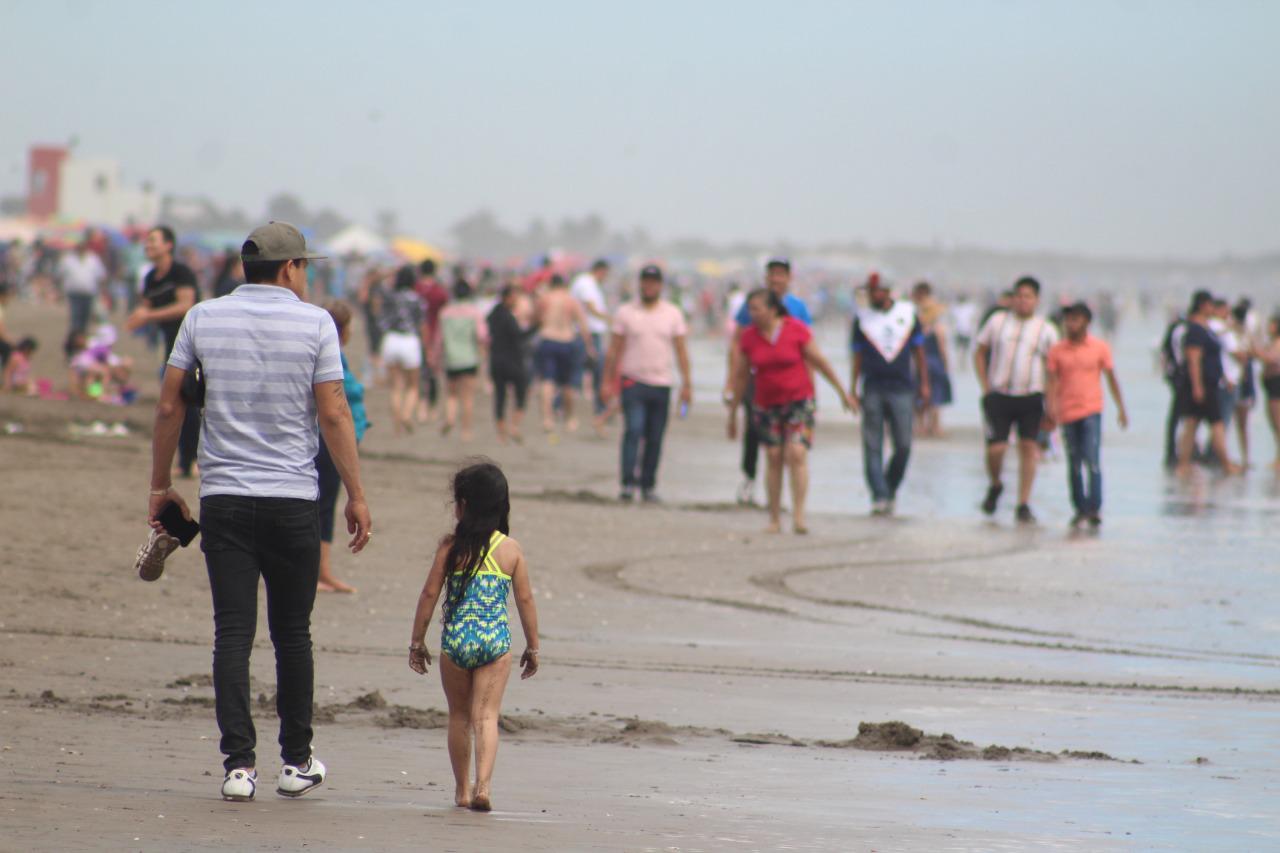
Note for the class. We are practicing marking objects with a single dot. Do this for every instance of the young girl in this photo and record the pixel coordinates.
(476, 566)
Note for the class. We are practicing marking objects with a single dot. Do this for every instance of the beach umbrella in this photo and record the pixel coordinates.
(415, 251)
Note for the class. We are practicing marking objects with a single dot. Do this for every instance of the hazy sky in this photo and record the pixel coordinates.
(1113, 127)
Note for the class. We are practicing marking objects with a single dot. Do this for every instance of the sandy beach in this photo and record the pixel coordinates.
(704, 686)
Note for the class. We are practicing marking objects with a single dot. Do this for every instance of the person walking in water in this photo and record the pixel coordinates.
(886, 340)
(272, 372)
(464, 337)
(508, 364)
(562, 327)
(780, 352)
(645, 332)
(1010, 364)
(777, 276)
(1198, 384)
(1077, 365)
(401, 352)
(476, 567)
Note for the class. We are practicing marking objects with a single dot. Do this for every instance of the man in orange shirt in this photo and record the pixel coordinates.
(1077, 364)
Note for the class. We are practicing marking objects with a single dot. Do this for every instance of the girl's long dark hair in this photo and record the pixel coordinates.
(480, 489)
(771, 299)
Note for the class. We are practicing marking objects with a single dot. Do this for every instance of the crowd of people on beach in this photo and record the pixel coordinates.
(259, 397)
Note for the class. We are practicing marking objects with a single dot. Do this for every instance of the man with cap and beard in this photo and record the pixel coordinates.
(271, 370)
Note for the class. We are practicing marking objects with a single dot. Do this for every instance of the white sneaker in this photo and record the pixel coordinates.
(297, 780)
(240, 785)
(151, 556)
(747, 493)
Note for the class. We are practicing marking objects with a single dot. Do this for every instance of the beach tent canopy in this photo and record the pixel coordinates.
(355, 240)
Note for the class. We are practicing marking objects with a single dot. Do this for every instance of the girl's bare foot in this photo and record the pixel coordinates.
(461, 798)
(571, 425)
(325, 586)
(774, 527)
(480, 802)
(334, 585)
(801, 529)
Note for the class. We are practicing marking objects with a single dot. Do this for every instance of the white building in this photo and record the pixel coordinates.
(90, 189)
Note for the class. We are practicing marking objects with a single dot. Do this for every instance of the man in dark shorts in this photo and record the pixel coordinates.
(1010, 364)
(1198, 381)
(168, 292)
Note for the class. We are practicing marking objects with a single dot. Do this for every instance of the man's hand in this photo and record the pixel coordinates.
(1123, 417)
(157, 502)
(731, 429)
(137, 319)
(851, 403)
(359, 524)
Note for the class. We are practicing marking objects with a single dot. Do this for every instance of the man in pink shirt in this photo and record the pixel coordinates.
(644, 333)
(1077, 364)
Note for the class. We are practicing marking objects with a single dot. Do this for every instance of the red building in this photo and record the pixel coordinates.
(43, 171)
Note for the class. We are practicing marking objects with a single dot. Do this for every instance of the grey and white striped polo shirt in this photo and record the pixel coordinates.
(262, 349)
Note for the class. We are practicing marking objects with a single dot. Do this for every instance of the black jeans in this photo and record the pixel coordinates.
(277, 539)
(644, 410)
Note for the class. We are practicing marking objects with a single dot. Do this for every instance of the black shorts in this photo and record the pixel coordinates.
(1001, 411)
(459, 372)
(1272, 386)
(1209, 410)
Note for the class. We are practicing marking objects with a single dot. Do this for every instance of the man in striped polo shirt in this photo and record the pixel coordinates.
(1010, 364)
(272, 369)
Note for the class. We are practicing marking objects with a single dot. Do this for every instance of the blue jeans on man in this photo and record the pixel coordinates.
(644, 411)
(1083, 440)
(896, 407)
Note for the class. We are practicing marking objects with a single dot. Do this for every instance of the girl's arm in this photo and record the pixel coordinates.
(419, 657)
(528, 611)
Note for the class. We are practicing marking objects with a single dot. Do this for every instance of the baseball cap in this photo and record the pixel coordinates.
(778, 261)
(276, 241)
(651, 271)
(873, 280)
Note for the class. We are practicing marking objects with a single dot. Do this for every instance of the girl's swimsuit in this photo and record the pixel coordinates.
(476, 631)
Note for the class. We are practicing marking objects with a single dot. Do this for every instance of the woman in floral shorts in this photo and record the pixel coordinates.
(781, 353)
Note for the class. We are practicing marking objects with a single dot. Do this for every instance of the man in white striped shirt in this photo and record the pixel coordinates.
(272, 369)
(1010, 364)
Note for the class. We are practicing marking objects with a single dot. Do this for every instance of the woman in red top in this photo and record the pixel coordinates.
(782, 354)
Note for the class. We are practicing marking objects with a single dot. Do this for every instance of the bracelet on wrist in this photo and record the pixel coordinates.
(155, 493)
(533, 652)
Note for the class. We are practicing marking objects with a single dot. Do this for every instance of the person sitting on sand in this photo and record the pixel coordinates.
(476, 566)
(327, 473)
(94, 367)
(17, 370)
(781, 352)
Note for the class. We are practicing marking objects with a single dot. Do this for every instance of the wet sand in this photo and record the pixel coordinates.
(704, 686)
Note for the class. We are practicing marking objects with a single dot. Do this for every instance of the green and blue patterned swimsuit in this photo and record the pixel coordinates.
(476, 631)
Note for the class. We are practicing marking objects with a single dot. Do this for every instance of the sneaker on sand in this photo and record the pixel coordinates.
(1025, 515)
(627, 495)
(151, 556)
(747, 492)
(649, 496)
(880, 507)
(240, 785)
(296, 780)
